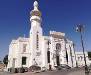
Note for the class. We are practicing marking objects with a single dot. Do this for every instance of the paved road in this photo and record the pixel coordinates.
(41, 73)
(5, 73)
(61, 72)
(45, 73)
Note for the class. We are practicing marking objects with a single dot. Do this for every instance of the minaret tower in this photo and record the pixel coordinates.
(35, 20)
(35, 34)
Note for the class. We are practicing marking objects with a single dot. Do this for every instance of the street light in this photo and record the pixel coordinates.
(80, 29)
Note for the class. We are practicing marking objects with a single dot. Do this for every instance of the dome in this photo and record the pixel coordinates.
(35, 11)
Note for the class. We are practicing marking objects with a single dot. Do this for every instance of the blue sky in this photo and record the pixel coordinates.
(58, 15)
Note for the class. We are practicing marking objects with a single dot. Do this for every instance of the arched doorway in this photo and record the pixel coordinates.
(58, 48)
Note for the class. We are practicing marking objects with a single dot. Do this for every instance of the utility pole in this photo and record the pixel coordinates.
(80, 29)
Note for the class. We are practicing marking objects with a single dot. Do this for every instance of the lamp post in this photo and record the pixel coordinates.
(80, 29)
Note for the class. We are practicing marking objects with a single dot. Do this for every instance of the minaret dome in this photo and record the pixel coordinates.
(35, 11)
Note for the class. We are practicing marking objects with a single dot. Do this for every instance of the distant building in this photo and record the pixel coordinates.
(80, 59)
(41, 50)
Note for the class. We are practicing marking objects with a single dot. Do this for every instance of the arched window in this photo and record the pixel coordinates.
(58, 48)
(81, 58)
(24, 47)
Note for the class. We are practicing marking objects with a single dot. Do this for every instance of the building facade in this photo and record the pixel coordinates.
(80, 59)
(41, 50)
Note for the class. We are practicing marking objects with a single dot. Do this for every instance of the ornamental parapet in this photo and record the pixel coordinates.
(57, 34)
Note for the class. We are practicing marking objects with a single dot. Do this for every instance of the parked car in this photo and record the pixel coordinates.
(89, 68)
(34, 68)
(63, 66)
(43, 69)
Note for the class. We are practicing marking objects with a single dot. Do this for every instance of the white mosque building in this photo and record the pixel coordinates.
(41, 50)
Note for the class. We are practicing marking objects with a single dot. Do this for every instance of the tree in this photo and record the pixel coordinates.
(5, 60)
(89, 55)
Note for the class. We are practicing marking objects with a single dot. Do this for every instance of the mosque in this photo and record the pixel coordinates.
(41, 50)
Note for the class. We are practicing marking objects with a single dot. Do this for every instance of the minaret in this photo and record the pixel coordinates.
(35, 33)
(35, 19)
